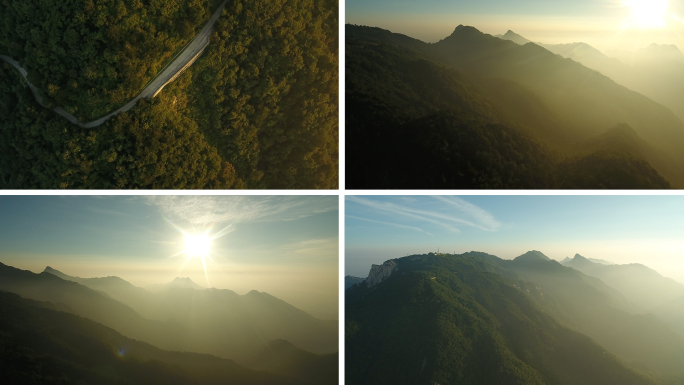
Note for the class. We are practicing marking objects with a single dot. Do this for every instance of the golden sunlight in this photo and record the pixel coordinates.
(197, 245)
(647, 14)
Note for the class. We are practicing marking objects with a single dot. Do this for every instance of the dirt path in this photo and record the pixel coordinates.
(184, 60)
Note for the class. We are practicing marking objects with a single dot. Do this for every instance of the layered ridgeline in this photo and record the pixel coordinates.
(42, 345)
(476, 111)
(219, 322)
(474, 318)
(258, 109)
(649, 291)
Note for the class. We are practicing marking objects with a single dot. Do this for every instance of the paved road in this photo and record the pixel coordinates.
(190, 53)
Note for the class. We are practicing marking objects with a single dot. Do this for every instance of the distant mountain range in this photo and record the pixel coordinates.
(447, 318)
(350, 281)
(476, 111)
(218, 322)
(42, 345)
(656, 71)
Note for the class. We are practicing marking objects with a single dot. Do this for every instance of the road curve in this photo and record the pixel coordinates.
(168, 74)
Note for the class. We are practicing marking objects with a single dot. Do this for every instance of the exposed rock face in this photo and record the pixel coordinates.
(379, 273)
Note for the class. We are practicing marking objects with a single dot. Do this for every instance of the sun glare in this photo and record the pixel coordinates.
(647, 14)
(197, 245)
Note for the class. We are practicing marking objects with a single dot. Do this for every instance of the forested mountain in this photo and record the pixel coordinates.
(258, 109)
(457, 319)
(603, 313)
(218, 322)
(537, 107)
(41, 345)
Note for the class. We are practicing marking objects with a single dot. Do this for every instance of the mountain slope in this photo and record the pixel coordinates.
(39, 345)
(451, 319)
(514, 37)
(591, 307)
(645, 287)
(283, 358)
(97, 306)
(440, 128)
(222, 322)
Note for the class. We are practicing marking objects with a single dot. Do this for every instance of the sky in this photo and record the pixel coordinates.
(286, 246)
(605, 24)
(621, 229)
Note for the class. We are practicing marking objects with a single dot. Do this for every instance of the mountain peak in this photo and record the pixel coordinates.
(185, 282)
(514, 37)
(465, 29)
(533, 255)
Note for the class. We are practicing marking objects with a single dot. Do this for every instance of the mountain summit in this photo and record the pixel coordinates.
(514, 37)
(533, 255)
(186, 283)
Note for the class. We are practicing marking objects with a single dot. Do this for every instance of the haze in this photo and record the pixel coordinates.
(605, 24)
(619, 229)
(285, 246)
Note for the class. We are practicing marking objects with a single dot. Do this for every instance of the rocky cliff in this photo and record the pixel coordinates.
(379, 273)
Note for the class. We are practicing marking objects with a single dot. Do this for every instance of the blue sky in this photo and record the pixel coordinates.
(606, 24)
(621, 229)
(287, 245)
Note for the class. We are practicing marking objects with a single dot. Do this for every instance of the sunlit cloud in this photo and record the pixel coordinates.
(222, 209)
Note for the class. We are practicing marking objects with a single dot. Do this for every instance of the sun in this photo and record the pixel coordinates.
(197, 245)
(647, 14)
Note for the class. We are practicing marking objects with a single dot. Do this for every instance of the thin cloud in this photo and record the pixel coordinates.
(390, 224)
(453, 211)
(231, 209)
(484, 218)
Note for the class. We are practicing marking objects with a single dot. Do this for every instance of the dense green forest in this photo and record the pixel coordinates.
(465, 319)
(465, 113)
(91, 57)
(258, 110)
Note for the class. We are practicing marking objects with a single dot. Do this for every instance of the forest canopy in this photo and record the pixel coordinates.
(257, 110)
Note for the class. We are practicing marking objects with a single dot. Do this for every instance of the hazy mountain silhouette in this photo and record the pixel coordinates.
(656, 71)
(349, 281)
(596, 260)
(182, 282)
(95, 305)
(457, 126)
(514, 37)
(586, 100)
(40, 345)
(643, 286)
(457, 319)
(222, 322)
(590, 306)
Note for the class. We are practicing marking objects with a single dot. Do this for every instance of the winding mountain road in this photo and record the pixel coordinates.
(168, 74)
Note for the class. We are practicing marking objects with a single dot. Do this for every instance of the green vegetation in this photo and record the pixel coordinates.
(92, 57)
(257, 110)
(151, 146)
(459, 319)
(474, 111)
(265, 93)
